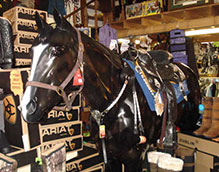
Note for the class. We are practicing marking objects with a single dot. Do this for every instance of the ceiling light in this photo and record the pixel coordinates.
(137, 41)
(202, 32)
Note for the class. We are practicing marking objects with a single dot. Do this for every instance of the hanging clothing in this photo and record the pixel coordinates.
(58, 4)
(106, 34)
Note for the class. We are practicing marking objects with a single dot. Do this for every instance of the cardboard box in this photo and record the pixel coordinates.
(23, 158)
(22, 55)
(94, 169)
(203, 145)
(134, 10)
(153, 7)
(18, 132)
(23, 13)
(21, 25)
(60, 130)
(87, 158)
(7, 163)
(24, 38)
(57, 116)
(71, 144)
(206, 152)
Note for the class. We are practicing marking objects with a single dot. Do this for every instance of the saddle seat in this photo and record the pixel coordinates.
(160, 62)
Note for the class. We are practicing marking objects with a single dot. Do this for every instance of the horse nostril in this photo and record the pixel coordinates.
(32, 106)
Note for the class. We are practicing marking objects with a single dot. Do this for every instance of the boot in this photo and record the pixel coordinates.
(214, 129)
(4, 145)
(206, 118)
(153, 159)
(7, 59)
(169, 164)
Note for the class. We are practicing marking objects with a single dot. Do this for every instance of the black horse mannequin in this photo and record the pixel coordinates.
(55, 52)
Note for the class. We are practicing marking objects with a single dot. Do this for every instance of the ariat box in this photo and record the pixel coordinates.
(56, 116)
(71, 144)
(24, 38)
(88, 158)
(18, 132)
(59, 131)
(24, 26)
(22, 55)
(23, 158)
(23, 13)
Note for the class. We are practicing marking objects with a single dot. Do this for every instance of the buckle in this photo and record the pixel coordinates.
(59, 91)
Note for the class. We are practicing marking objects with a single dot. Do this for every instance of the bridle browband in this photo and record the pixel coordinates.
(60, 89)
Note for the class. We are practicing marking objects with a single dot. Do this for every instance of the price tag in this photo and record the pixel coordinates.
(102, 132)
(77, 81)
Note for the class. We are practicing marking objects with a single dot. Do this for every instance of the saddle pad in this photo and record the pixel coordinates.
(149, 94)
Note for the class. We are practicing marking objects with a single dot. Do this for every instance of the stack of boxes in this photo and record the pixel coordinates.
(24, 31)
(178, 46)
(63, 126)
(29, 141)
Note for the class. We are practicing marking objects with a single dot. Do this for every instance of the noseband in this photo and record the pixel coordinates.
(60, 89)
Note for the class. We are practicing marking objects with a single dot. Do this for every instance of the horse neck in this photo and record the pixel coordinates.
(101, 76)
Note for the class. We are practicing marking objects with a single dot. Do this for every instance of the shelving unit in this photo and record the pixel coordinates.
(189, 18)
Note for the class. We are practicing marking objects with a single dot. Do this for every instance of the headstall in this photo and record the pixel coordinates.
(60, 89)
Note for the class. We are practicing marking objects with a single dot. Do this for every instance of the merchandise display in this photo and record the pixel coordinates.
(109, 86)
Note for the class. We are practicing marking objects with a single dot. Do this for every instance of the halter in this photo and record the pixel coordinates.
(60, 89)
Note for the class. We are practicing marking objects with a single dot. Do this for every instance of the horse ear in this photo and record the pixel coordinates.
(57, 17)
(41, 23)
(61, 22)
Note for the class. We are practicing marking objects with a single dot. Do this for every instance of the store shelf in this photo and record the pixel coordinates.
(189, 18)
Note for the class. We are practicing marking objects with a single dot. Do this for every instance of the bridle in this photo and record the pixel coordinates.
(60, 89)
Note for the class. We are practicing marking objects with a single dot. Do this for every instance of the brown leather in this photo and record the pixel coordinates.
(214, 129)
(206, 119)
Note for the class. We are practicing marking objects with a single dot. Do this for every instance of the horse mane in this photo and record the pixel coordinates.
(91, 44)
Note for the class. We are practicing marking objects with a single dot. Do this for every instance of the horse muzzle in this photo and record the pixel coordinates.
(29, 110)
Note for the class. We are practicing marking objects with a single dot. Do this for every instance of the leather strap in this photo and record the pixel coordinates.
(60, 89)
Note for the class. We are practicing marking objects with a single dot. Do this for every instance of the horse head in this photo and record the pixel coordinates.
(54, 55)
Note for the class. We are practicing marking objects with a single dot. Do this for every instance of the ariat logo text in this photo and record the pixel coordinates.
(74, 166)
(26, 23)
(54, 130)
(26, 11)
(27, 36)
(21, 49)
(57, 130)
(58, 114)
(10, 111)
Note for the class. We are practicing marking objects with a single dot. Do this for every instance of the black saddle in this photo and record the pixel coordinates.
(159, 62)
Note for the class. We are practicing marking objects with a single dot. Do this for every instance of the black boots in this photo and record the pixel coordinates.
(6, 44)
(4, 145)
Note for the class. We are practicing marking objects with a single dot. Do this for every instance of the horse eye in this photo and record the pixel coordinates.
(59, 50)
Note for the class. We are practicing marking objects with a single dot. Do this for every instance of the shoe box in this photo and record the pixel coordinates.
(24, 31)
(87, 160)
(206, 152)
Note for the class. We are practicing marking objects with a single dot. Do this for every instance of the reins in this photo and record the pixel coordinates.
(60, 89)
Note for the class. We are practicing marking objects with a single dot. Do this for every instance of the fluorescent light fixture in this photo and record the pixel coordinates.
(202, 31)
